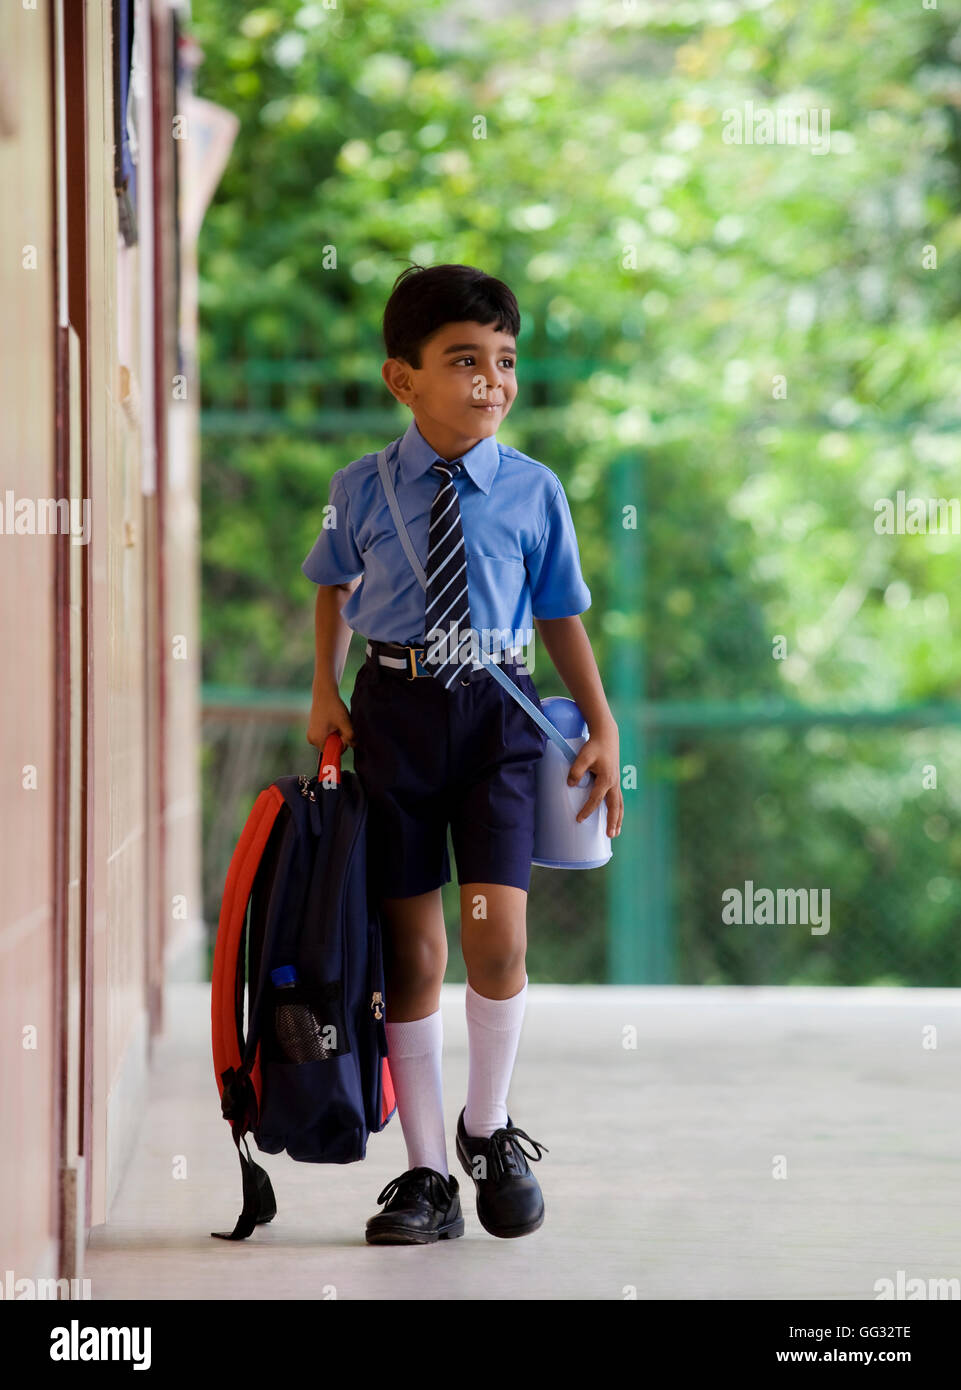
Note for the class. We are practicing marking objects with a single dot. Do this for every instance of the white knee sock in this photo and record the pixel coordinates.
(493, 1032)
(414, 1055)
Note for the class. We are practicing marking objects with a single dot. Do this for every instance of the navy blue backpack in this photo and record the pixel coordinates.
(298, 937)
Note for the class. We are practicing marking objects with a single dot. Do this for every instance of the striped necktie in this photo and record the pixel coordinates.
(447, 601)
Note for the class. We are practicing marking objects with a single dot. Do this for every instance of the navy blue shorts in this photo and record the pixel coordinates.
(427, 758)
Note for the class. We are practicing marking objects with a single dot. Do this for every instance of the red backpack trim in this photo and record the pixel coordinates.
(233, 913)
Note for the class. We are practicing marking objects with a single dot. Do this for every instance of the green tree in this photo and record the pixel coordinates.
(769, 331)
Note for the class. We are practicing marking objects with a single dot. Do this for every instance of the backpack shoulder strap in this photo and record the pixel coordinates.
(395, 512)
(239, 1092)
(233, 911)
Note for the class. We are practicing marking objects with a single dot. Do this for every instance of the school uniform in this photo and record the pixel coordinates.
(428, 755)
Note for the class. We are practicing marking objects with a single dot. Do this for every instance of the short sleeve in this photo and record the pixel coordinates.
(334, 558)
(557, 585)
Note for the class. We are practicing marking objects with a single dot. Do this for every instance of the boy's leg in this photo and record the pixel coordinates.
(494, 943)
(509, 1198)
(415, 958)
(415, 954)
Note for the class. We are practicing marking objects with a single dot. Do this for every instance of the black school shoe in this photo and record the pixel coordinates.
(422, 1206)
(509, 1199)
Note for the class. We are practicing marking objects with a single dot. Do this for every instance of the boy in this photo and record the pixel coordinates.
(436, 738)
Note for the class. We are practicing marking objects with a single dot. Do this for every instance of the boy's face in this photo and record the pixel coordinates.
(464, 387)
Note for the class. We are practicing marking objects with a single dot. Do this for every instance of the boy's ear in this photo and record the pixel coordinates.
(396, 374)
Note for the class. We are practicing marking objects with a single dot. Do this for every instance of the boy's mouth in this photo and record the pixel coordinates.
(484, 405)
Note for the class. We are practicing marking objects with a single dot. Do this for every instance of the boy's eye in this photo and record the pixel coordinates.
(458, 360)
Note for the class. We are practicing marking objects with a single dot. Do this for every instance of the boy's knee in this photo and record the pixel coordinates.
(416, 965)
(495, 961)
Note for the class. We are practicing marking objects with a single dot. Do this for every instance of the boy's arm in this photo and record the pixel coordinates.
(328, 713)
(331, 636)
(569, 647)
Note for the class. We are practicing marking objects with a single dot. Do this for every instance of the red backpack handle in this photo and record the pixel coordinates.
(334, 746)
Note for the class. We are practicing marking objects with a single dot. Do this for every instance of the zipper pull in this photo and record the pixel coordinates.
(376, 1002)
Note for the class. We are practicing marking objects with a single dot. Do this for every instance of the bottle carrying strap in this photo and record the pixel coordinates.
(494, 667)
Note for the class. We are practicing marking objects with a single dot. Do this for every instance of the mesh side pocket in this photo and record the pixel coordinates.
(306, 1024)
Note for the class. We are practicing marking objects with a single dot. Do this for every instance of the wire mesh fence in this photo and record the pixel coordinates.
(867, 822)
(784, 855)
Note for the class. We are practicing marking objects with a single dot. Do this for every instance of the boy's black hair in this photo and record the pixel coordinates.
(424, 298)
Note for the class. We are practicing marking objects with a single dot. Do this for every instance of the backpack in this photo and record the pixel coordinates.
(297, 930)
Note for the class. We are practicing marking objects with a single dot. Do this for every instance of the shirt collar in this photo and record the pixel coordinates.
(417, 457)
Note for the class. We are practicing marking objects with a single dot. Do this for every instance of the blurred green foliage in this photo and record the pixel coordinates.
(770, 332)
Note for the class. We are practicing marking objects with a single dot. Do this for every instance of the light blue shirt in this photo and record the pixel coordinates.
(522, 556)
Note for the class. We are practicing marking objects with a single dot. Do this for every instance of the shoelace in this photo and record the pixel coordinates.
(412, 1179)
(505, 1146)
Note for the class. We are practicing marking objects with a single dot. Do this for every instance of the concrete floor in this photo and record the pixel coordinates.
(660, 1176)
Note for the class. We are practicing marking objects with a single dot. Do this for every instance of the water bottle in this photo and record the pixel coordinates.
(297, 1028)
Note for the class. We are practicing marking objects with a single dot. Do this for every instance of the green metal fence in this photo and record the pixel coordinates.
(708, 814)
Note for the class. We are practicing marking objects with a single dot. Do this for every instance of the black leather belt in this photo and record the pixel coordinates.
(399, 659)
(408, 662)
